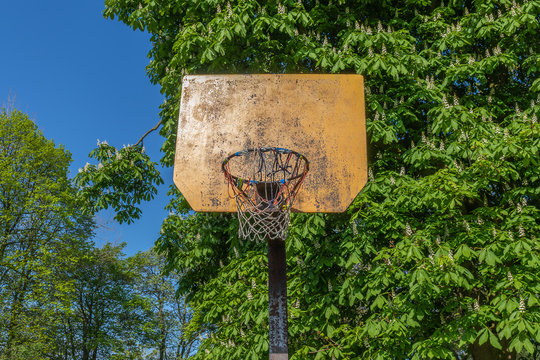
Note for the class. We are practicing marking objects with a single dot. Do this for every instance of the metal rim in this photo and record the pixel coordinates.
(265, 149)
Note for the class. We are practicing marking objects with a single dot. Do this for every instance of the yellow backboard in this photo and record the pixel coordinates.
(319, 116)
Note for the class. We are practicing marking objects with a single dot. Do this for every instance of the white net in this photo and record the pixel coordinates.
(264, 183)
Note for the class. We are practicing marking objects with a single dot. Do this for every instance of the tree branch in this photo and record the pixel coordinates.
(146, 133)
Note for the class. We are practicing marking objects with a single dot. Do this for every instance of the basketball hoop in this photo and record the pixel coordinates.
(264, 182)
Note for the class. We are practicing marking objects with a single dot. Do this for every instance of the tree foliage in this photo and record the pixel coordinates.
(438, 255)
(40, 228)
(61, 298)
(121, 180)
(171, 337)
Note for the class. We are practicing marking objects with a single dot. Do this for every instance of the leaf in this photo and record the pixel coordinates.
(494, 341)
(483, 336)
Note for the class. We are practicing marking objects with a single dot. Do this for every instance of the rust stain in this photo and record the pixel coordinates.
(320, 116)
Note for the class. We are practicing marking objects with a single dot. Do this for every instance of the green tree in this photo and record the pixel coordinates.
(39, 228)
(107, 318)
(171, 336)
(438, 256)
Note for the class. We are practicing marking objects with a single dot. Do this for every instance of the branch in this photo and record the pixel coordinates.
(148, 132)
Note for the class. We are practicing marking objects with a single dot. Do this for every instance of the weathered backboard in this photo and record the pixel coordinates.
(319, 116)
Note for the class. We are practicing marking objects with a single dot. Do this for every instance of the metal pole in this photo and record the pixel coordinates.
(277, 299)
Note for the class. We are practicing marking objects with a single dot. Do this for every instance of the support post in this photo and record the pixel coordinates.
(277, 298)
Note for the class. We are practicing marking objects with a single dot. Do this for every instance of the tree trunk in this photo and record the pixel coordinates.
(163, 339)
(488, 352)
(16, 307)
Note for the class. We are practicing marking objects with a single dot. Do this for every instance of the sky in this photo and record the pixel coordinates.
(81, 77)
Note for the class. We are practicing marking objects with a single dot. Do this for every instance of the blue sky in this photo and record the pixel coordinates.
(81, 77)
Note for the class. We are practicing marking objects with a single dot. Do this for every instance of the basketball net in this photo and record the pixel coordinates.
(264, 183)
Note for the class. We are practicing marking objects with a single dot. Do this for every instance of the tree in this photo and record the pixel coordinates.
(107, 319)
(438, 256)
(39, 228)
(172, 338)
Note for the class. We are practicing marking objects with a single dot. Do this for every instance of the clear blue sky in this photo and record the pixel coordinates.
(81, 78)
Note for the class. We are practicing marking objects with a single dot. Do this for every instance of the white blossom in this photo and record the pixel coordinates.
(366, 343)
(522, 307)
(445, 102)
(408, 230)
(510, 277)
(521, 231)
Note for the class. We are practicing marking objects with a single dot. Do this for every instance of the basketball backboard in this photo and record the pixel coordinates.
(319, 116)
